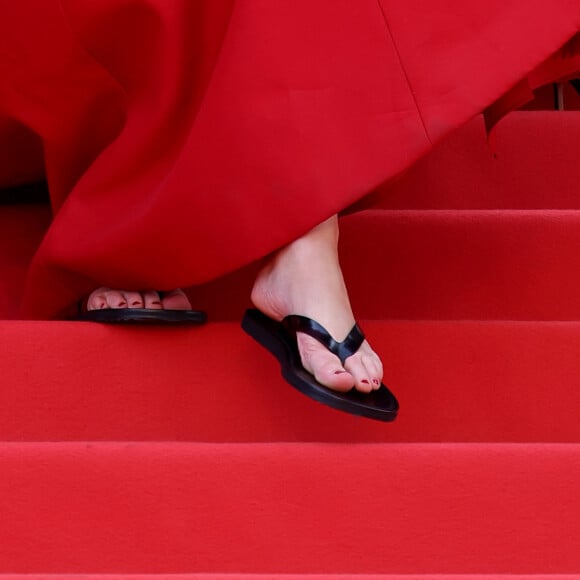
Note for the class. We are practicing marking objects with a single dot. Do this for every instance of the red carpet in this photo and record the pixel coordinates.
(457, 381)
(214, 576)
(292, 576)
(234, 576)
(296, 508)
(143, 454)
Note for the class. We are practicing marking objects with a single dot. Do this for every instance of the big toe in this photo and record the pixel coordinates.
(97, 299)
(324, 365)
(104, 298)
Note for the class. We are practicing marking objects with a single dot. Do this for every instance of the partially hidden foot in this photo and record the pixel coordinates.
(108, 298)
(111, 306)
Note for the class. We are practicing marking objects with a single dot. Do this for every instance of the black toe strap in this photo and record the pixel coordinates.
(296, 323)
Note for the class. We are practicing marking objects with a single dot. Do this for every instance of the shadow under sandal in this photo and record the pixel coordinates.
(280, 339)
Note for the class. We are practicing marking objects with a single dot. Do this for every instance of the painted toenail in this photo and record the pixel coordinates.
(339, 372)
(375, 381)
(365, 381)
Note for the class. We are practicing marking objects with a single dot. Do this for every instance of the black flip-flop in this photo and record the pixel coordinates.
(142, 316)
(280, 339)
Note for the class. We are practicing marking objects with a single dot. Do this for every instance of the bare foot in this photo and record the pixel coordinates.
(106, 298)
(305, 278)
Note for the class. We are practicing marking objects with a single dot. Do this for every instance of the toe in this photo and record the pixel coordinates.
(374, 369)
(333, 375)
(152, 300)
(133, 299)
(97, 299)
(115, 299)
(363, 380)
(176, 300)
(366, 368)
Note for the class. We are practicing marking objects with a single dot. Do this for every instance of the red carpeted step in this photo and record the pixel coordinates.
(289, 508)
(244, 501)
(499, 265)
(532, 163)
(456, 381)
(476, 264)
(273, 576)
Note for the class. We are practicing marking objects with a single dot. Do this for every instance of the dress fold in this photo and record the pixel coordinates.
(183, 140)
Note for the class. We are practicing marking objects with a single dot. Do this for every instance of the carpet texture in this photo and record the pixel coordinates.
(180, 454)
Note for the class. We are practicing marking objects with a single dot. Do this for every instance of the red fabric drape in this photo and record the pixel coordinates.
(185, 139)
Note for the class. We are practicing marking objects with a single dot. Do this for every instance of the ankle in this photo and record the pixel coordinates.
(318, 246)
(324, 236)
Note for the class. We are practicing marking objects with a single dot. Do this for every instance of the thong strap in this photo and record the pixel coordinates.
(349, 346)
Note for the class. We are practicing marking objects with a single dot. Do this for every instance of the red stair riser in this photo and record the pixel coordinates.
(296, 508)
(532, 163)
(446, 265)
(455, 381)
(234, 576)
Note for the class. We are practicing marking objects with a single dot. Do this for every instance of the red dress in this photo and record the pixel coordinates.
(185, 139)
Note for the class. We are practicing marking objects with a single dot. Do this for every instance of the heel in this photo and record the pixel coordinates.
(266, 332)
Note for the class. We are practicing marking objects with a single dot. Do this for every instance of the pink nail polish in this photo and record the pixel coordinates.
(339, 372)
(375, 381)
(365, 382)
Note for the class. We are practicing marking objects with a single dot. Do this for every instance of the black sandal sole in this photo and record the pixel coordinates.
(143, 316)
